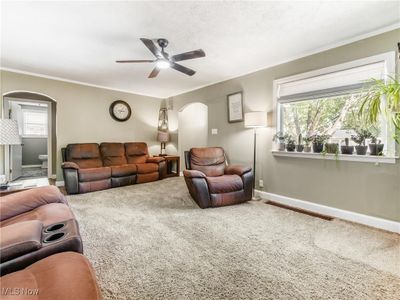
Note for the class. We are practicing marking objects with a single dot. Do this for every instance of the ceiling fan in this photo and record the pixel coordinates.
(163, 60)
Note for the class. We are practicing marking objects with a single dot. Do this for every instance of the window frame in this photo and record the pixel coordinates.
(389, 61)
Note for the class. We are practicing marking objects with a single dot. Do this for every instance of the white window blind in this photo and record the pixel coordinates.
(35, 123)
(331, 83)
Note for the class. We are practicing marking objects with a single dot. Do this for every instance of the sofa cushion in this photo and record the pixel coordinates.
(123, 170)
(113, 154)
(47, 214)
(136, 153)
(62, 276)
(94, 174)
(147, 168)
(224, 184)
(84, 155)
(210, 161)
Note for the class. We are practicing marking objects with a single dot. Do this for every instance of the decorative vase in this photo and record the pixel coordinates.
(347, 149)
(299, 148)
(290, 147)
(376, 149)
(281, 146)
(307, 148)
(361, 150)
(332, 148)
(318, 147)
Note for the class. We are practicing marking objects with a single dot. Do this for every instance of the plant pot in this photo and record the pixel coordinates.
(317, 147)
(307, 149)
(281, 146)
(361, 150)
(332, 148)
(290, 147)
(299, 148)
(347, 149)
(376, 149)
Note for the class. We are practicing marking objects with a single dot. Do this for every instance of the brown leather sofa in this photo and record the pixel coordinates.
(211, 182)
(92, 167)
(62, 276)
(35, 224)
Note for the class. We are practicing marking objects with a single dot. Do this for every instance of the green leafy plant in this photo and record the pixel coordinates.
(360, 136)
(382, 98)
(307, 140)
(280, 137)
(319, 138)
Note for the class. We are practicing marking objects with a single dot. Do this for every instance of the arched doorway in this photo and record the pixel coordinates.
(36, 157)
(192, 127)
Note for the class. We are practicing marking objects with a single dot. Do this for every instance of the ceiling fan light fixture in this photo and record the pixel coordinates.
(163, 64)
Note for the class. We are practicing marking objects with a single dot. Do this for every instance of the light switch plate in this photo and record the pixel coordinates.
(214, 131)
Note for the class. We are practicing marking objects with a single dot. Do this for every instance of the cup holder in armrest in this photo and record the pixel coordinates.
(54, 237)
(54, 227)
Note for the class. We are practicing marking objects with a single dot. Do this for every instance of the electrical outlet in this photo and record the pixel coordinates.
(261, 183)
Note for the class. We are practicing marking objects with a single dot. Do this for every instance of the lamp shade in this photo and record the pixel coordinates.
(9, 134)
(255, 119)
(163, 136)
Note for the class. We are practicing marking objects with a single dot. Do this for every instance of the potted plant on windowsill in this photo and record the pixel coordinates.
(318, 141)
(359, 139)
(300, 146)
(307, 141)
(280, 137)
(374, 147)
(290, 144)
(346, 148)
(332, 148)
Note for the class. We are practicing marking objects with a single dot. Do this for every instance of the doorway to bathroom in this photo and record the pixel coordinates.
(35, 118)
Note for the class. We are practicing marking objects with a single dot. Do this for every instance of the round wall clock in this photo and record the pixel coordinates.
(120, 110)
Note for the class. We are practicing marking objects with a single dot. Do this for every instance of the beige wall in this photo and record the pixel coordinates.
(82, 112)
(359, 187)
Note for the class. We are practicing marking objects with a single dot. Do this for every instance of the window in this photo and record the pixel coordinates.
(327, 101)
(34, 123)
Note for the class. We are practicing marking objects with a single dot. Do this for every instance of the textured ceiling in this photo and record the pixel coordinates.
(81, 40)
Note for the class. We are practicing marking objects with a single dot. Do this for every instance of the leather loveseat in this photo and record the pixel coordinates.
(93, 167)
(35, 224)
(211, 182)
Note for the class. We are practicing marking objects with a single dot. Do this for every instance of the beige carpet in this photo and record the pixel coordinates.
(151, 241)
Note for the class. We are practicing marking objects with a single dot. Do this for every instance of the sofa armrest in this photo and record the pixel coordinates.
(236, 170)
(193, 174)
(155, 159)
(20, 238)
(69, 165)
(21, 202)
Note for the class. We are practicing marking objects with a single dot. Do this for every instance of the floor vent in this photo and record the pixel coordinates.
(299, 210)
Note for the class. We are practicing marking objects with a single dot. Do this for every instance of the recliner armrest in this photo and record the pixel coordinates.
(19, 203)
(193, 174)
(20, 238)
(69, 165)
(236, 170)
(155, 159)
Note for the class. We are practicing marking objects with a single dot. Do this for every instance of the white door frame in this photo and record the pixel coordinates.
(6, 106)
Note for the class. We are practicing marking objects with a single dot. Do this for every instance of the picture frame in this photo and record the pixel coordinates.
(235, 107)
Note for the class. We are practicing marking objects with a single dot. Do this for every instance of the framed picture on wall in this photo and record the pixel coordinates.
(235, 107)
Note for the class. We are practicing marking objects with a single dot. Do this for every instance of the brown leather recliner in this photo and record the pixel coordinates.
(211, 182)
(62, 276)
(35, 224)
(90, 167)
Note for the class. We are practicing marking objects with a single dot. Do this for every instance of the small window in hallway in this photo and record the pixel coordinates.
(34, 123)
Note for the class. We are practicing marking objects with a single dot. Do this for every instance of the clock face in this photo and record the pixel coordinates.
(120, 110)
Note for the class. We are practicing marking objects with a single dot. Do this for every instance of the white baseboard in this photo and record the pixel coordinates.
(333, 212)
(60, 183)
(30, 166)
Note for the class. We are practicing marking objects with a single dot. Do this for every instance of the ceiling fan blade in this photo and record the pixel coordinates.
(152, 47)
(182, 69)
(154, 73)
(189, 55)
(134, 61)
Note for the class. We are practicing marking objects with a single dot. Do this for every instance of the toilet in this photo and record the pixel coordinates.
(43, 159)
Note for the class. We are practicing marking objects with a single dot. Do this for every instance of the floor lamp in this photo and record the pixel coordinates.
(9, 135)
(255, 119)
